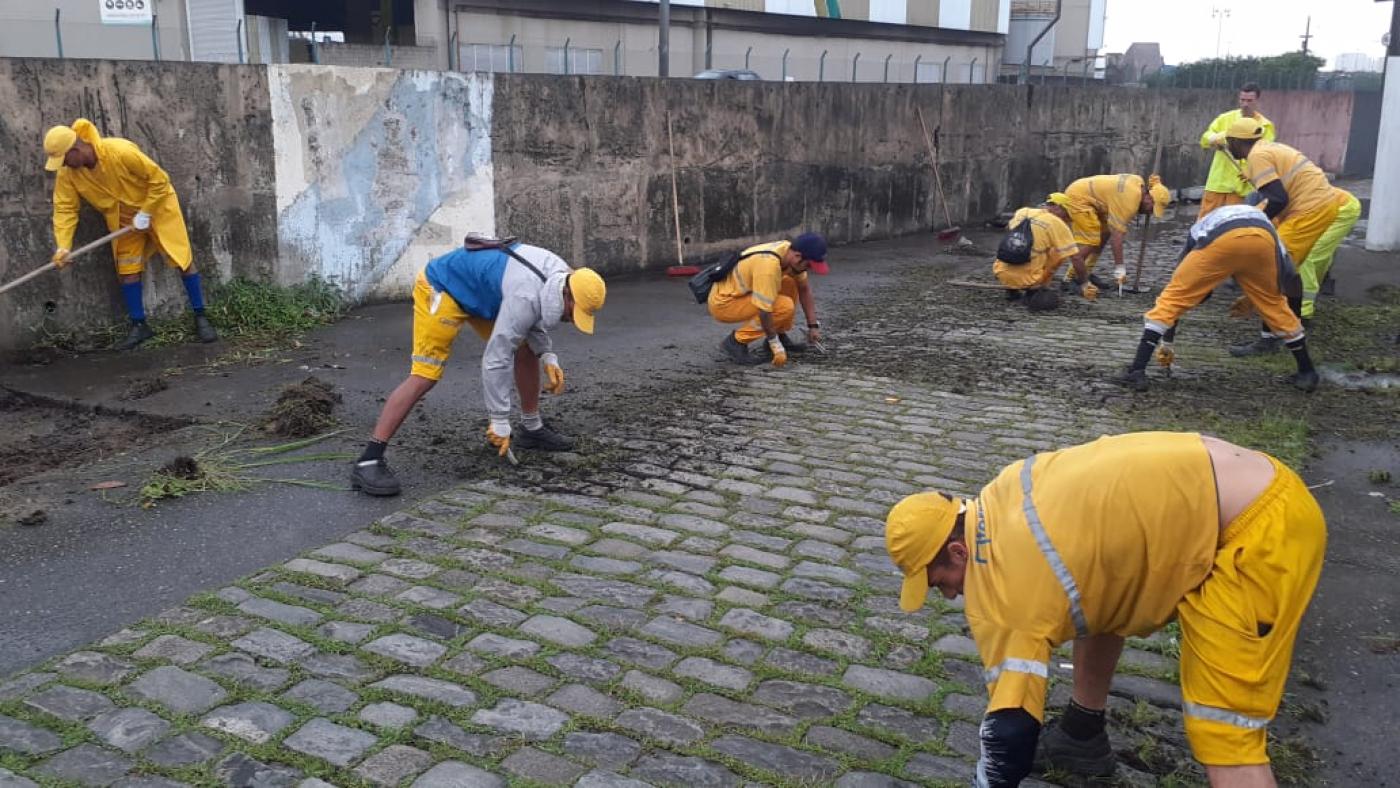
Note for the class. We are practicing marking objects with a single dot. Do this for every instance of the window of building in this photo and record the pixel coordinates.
(581, 61)
(491, 57)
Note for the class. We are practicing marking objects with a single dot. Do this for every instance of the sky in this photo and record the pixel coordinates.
(1187, 30)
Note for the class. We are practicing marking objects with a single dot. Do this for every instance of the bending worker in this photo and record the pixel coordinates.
(1237, 241)
(1298, 197)
(1225, 185)
(1052, 246)
(1100, 208)
(1314, 269)
(763, 291)
(1074, 545)
(511, 295)
(128, 189)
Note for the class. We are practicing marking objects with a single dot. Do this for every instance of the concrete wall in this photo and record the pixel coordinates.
(362, 175)
(378, 170)
(208, 125)
(582, 164)
(1312, 121)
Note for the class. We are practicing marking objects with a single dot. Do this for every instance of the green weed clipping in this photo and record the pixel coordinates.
(226, 468)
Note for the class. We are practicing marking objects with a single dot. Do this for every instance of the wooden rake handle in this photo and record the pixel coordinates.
(112, 236)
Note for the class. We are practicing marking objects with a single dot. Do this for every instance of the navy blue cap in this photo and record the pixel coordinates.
(812, 246)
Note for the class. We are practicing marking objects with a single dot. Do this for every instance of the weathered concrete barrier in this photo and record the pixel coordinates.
(361, 175)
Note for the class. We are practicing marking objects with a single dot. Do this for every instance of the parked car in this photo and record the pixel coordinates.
(728, 73)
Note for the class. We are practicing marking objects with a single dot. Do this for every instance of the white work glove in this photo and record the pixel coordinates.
(555, 373)
(1216, 140)
(498, 435)
(141, 221)
(775, 345)
(60, 258)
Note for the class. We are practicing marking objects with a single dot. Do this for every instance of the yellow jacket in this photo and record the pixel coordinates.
(1115, 198)
(1225, 177)
(124, 181)
(758, 276)
(1133, 523)
(1054, 244)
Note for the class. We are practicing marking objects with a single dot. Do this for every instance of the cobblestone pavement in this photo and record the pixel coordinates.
(700, 598)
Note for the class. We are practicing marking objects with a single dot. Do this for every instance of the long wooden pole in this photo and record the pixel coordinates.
(675, 195)
(1147, 223)
(76, 252)
(933, 159)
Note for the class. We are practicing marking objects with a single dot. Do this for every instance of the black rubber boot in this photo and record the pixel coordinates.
(373, 477)
(1101, 283)
(737, 351)
(1135, 379)
(1304, 381)
(543, 439)
(204, 329)
(140, 332)
(792, 346)
(1091, 758)
(1259, 347)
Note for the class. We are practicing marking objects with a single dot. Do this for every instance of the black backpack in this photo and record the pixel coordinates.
(1016, 246)
(701, 284)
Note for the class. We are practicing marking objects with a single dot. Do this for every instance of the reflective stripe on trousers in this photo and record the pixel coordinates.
(1047, 548)
(1216, 714)
(1016, 665)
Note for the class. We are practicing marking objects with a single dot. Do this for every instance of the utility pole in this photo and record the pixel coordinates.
(1307, 35)
(663, 41)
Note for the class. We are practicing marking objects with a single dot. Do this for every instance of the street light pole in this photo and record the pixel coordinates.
(663, 41)
(1219, 14)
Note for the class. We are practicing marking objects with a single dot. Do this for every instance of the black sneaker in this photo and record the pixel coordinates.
(1135, 379)
(204, 329)
(1014, 295)
(140, 332)
(373, 477)
(1329, 285)
(544, 439)
(1092, 758)
(792, 346)
(1259, 347)
(1304, 381)
(737, 351)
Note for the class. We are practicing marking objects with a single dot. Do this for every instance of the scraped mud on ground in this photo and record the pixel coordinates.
(37, 436)
(303, 409)
(141, 388)
(182, 467)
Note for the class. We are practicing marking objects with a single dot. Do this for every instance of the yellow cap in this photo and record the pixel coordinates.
(1245, 129)
(57, 142)
(1161, 196)
(915, 531)
(1058, 198)
(588, 291)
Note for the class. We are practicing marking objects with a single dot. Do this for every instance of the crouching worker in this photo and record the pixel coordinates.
(1238, 241)
(1074, 545)
(129, 190)
(511, 295)
(763, 292)
(1027, 270)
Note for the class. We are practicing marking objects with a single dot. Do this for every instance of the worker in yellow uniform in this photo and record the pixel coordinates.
(129, 190)
(1051, 245)
(1100, 208)
(1108, 540)
(1314, 269)
(1299, 200)
(1238, 241)
(763, 292)
(511, 295)
(1225, 185)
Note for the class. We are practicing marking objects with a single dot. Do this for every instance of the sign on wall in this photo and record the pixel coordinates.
(126, 12)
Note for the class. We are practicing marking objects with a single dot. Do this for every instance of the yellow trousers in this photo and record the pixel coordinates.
(168, 237)
(1314, 269)
(742, 309)
(1239, 625)
(1248, 254)
(1212, 200)
(1300, 231)
(437, 318)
